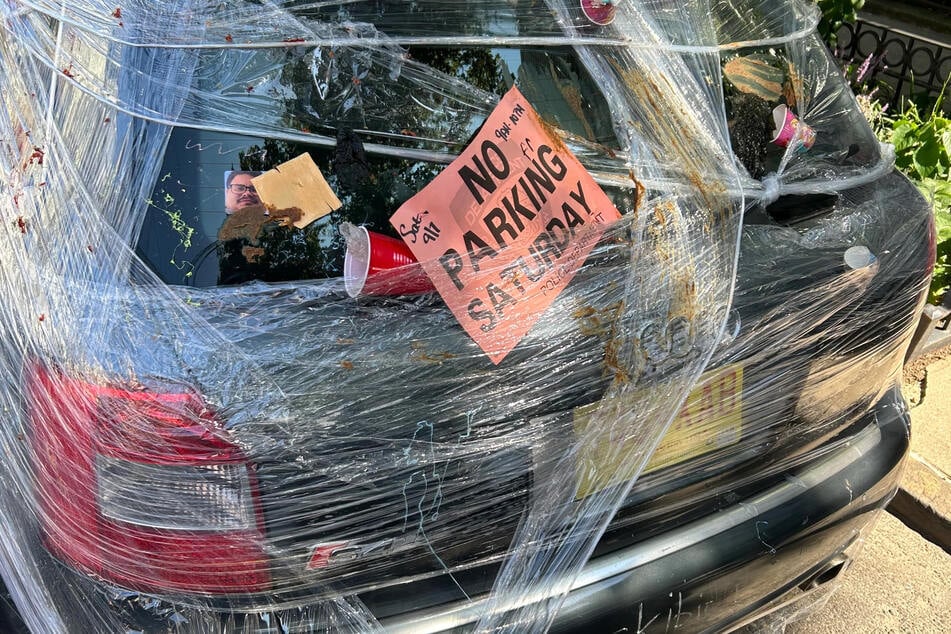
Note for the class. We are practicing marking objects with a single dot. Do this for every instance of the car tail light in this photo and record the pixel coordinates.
(144, 488)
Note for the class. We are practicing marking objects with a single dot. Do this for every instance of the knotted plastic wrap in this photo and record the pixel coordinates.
(204, 431)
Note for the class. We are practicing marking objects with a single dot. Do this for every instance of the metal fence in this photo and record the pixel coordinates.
(913, 66)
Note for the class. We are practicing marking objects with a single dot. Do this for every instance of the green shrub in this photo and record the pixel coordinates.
(923, 152)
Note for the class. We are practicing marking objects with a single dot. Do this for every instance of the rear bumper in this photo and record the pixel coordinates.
(709, 575)
(736, 564)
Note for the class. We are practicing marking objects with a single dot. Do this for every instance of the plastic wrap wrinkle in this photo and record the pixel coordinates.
(204, 431)
(798, 47)
(278, 24)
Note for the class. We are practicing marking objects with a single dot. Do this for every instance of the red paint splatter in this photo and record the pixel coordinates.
(42, 317)
(37, 156)
(229, 39)
(20, 224)
(106, 120)
(250, 88)
(68, 71)
(291, 40)
(117, 14)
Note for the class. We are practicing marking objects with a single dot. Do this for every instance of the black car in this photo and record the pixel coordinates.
(205, 430)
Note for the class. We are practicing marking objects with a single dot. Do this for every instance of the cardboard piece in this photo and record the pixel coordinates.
(296, 185)
(505, 227)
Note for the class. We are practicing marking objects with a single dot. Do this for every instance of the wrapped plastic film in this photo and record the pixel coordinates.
(206, 432)
(780, 72)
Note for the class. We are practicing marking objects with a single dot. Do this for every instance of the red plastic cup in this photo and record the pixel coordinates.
(376, 264)
(791, 129)
(600, 12)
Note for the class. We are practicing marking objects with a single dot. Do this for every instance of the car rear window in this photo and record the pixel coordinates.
(190, 237)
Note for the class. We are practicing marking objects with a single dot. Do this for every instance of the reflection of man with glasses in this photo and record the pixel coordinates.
(239, 192)
(239, 247)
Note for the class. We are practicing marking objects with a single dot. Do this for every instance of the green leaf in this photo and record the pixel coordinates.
(938, 194)
(941, 278)
(944, 233)
(946, 144)
(927, 158)
(903, 134)
(938, 289)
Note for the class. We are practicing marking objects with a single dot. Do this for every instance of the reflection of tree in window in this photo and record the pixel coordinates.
(431, 98)
(478, 66)
(370, 188)
(406, 97)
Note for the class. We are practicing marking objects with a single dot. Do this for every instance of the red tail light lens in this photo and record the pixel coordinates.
(144, 489)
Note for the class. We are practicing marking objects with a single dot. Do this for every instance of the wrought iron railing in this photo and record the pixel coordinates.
(912, 65)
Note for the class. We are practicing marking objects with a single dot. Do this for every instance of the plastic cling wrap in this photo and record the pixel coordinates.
(439, 316)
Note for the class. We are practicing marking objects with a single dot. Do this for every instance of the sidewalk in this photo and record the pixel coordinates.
(924, 500)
